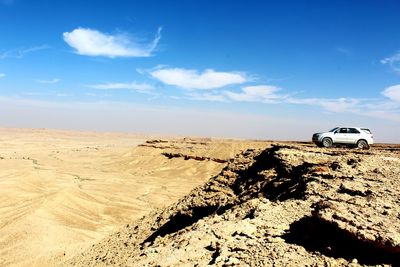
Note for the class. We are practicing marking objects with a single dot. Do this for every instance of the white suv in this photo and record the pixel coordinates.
(359, 137)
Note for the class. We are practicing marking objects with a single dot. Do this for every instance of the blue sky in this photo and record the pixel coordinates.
(250, 69)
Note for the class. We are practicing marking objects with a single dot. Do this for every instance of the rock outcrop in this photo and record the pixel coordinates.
(285, 205)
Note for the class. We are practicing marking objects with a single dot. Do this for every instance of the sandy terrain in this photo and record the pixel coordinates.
(282, 205)
(109, 199)
(61, 191)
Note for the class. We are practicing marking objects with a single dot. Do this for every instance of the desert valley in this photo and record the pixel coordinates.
(115, 199)
(199, 133)
(62, 191)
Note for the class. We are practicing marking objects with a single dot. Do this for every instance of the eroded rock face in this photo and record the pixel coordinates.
(285, 205)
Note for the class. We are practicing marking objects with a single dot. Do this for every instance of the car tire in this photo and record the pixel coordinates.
(327, 142)
(362, 144)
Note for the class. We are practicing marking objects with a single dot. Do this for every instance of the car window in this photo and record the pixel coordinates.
(353, 131)
(343, 130)
(366, 130)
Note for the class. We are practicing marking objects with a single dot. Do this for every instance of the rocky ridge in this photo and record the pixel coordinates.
(284, 205)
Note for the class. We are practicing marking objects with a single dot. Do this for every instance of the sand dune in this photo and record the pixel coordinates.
(62, 191)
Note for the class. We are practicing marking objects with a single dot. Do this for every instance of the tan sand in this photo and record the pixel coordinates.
(62, 191)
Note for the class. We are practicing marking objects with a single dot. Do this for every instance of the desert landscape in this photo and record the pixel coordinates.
(62, 191)
(199, 133)
(114, 199)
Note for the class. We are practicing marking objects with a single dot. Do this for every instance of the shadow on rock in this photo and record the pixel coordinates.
(318, 236)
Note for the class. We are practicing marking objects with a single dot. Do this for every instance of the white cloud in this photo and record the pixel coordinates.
(49, 81)
(393, 62)
(377, 108)
(334, 104)
(91, 42)
(393, 92)
(269, 94)
(21, 52)
(192, 79)
(207, 97)
(127, 86)
(2, 75)
(257, 93)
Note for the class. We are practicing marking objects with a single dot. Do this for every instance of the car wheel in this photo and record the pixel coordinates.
(327, 142)
(362, 144)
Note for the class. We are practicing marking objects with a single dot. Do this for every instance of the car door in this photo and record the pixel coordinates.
(353, 135)
(341, 136)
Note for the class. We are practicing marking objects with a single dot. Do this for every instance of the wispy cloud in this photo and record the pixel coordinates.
(215, 97)
(52, 81)
(62, 95)
(257, 93)
(384, 108)
(98, 95)
(192, 79)
(142, 87)
(29, 93)
(344, 50)
(338, 105)
(2, 75)
(91, 42)
(21, 52)
(44, 94)
(393, 93)
(393, 62)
